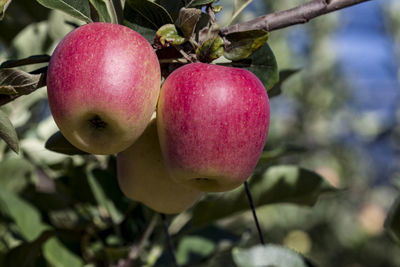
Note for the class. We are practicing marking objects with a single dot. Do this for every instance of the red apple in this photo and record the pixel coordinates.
(213, 123)
(103, 83)
(143, 177)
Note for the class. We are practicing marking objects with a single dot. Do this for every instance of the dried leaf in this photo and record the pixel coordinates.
(187, 20)
(18, 82)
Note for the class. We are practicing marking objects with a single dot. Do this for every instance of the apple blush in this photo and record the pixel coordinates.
(103, 83)
(212, 124)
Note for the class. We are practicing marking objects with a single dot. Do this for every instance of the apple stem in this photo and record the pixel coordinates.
(169, 238)
(253, 209)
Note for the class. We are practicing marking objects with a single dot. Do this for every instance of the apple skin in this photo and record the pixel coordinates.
(213, 123)
(103, 83)
(142, 176)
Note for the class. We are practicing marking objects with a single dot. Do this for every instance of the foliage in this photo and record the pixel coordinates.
(66, 208)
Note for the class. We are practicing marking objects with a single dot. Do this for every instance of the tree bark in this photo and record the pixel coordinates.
(297, 15)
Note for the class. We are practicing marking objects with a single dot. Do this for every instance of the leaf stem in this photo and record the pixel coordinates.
(169, 238)
(138, 247)
(174, 60)
(237, 12)
(251, 202)
(113, 12)
(119, 11)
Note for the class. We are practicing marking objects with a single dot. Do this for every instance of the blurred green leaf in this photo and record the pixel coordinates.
(105, 189)
(238, 8)
(276, 153)
(187, 20)
(102, 10)
(114, 253)
(283, 76)
(25, 61)
(26, 254)
(269, 255)
(76, 8)
(3, 6)
(195, 3)
(60, 24)
(151, 12)
(242, 44)
(14, 172)
(263, 64)
(26, 217)
(59, 256)
(194, 247)
(33, 40)
(278, 184)
(8, 133)
(58, 143)
(392, 222)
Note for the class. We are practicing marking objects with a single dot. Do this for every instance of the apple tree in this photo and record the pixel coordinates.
(106, 169)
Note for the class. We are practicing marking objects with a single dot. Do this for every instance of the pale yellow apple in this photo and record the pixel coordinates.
(143, 177)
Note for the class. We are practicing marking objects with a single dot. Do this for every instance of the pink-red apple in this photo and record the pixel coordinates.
(103, 82)
(212, 123)
(143, 177)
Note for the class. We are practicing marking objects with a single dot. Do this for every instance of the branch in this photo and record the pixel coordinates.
(297, 15)
(137, 248)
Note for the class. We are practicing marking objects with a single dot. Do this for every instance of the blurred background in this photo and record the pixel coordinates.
(342, 107)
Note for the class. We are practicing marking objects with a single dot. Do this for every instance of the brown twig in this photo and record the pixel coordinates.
(171, 246)
(297, 15)
(137, 248)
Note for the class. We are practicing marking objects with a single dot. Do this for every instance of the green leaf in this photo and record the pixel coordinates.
(76, 8)
(194, 246)
(105, 189)
(187, 20)
(18, 82)
(26, 254)
(195, 3)
(14, 172)
(278, 184)
(8, 133)
(168, 35)
(147, 33)
(263, 64)
(172, 7)
(25, 61)
(26, 217)
(392, 223)
(242, 44)
(58, 143)
(269, 255)
(102, 10)
(210, 49)
(58, 255)
(32, 40)
(154, 14)
(283, 76)
(276, 153)
(3, 6)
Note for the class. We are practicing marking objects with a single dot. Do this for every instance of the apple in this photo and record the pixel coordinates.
(142, 176)
(103, 83)
(212, 123)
